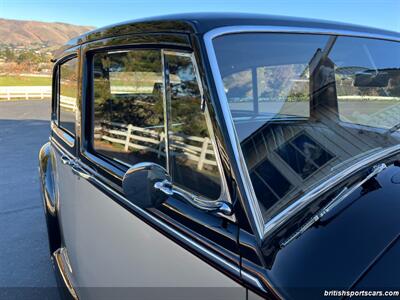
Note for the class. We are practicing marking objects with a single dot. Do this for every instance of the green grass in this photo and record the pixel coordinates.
(16, 80)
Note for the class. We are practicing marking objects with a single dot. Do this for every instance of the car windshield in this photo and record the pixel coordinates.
(306, 106)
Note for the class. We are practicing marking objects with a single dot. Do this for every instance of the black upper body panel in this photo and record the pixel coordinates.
(356, 246)
(200, 23)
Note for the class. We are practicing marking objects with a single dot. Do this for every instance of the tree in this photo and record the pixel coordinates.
(9, 55)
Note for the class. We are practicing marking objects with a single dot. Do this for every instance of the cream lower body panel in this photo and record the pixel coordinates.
(107, 246)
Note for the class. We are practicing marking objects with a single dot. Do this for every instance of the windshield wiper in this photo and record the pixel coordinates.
(393, 129)
(333, 203)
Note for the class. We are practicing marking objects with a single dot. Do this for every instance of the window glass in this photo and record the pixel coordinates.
(68, 94)
(128, 106)
(367, 84)
(303, 155)
(193, 161)
(283, 90)
(269, 91)
(307, 106)
(239, 90)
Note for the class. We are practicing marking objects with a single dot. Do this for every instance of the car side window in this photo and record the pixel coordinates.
(129, 117)
(67, 96)
(128, 106)
(193, 164)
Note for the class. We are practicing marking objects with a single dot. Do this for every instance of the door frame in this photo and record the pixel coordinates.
(58, 134)
(212, 238)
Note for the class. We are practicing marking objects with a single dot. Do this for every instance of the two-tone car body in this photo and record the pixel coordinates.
(225, 155)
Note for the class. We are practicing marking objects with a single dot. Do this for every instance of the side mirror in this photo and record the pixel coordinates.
(147, 185)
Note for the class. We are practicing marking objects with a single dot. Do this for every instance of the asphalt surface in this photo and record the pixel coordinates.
(25, 266)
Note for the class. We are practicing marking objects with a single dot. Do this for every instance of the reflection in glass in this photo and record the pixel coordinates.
(68, 94)
(193, 163)
(304, 155)
(306, 106)
(367, 82)
(128, 106)
(269, 184)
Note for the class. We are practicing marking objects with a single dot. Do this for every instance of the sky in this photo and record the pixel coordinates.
(383, 14)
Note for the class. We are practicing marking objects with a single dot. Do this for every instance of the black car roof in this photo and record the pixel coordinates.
(200, 23)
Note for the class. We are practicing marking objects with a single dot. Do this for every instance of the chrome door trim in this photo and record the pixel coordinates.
(64, 136)
(154, 220)
(61, 266)
(80, 172)
(63, 151)
(251, 279)
(261, 228)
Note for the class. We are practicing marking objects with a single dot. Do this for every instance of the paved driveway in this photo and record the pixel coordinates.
(25, 268)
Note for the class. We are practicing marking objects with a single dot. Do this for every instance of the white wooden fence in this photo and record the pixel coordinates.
(25, 92)
(34, 93)
(197, 149)
(68, 102)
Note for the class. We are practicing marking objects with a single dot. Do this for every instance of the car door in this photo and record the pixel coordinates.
(129, 117)
(63, 135)
(64, 145)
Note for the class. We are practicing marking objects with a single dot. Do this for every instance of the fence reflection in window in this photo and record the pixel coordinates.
(128, 106)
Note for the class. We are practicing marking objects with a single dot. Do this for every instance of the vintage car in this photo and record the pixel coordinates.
(231, 156)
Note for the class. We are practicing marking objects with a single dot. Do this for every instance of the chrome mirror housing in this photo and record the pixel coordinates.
(140, 184)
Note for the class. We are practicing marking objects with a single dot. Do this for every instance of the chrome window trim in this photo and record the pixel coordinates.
(55, 126)
(208, 36)
(237, 152)
(166, 116)
(264, 228)
(59, 63)
(224, 195)
(324, 186)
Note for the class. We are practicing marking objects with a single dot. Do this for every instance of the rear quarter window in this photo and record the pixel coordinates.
(68, 91)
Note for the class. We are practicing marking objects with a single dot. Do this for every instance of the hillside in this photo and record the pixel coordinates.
(29, 33)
